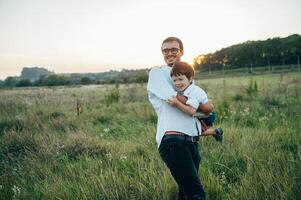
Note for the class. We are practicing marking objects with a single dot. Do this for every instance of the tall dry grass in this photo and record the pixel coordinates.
(109, 150)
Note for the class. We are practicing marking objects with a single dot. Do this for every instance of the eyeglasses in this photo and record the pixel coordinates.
(172, 51)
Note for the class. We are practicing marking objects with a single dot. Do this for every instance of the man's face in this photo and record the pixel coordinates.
(171, 52)
(181, 82)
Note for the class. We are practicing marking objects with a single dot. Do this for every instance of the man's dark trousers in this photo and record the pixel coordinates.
(183, 159)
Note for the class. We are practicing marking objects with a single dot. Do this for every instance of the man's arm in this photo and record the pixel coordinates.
(205, 108)
(160, 85)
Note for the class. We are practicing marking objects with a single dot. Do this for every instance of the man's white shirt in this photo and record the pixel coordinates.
(160, 88)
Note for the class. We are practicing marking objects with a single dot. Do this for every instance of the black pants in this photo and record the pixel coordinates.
(183, 160)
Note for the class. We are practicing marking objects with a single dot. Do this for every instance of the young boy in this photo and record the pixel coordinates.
(182, 75)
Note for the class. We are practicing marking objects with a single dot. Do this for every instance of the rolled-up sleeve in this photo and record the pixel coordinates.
(159, 84)
(193, 102)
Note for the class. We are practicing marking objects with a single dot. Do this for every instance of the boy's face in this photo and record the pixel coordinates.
(181, 82)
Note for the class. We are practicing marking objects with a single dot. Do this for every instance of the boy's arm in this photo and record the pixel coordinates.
(205, 108)
(185, 108)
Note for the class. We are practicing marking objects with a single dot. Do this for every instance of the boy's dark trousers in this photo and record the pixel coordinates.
(183, 160)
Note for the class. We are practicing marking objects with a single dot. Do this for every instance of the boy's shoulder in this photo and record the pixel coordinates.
(193, 88)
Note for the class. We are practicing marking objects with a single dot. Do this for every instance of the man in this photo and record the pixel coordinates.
(177, 133)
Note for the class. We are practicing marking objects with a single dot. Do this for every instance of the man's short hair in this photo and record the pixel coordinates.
(171, 39)
(182, 68)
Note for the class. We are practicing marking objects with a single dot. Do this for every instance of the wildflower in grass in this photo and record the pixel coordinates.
(223, 178)
(246, 111)
(232, 112)
(123, 158)
(16, 191)
(60, 146)
(109, 155)
(106, 130)
(263, 118)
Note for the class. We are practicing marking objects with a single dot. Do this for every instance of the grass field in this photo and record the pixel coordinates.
(109, 150)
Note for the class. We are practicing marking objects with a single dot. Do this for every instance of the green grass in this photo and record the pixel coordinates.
(247, 71)
(109, 151)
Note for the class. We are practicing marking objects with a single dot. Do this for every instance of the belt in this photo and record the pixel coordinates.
(183, 137)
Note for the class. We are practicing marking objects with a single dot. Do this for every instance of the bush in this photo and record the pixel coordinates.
(57, 114)
(238, 97)
(12, 108)
(81, 144)
(102, 120)
(113, 96)
(24, 83)
(10, 81)
(272, 101)
(52, 80)
(252, 89)
(8, 124)
(14, 145)
(85, 80)
(223, 111)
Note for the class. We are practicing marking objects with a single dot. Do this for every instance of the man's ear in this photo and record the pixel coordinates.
(181, 52)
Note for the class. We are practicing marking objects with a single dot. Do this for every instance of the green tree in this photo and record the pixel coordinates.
(34, 73)
(52, 80)
(85, 80)
(10, 81)
(275, 51)
(24, 83)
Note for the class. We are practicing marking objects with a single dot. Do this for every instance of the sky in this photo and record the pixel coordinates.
(77, 36)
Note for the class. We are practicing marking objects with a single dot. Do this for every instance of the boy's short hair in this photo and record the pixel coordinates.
(182, 68)
(171, 39)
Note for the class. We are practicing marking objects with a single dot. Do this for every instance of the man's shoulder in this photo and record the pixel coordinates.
(162, 67)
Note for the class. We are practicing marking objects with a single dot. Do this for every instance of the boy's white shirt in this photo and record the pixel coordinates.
(196, 96)
(160, 88)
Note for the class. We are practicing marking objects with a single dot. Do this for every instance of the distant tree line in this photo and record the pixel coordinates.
(270, 52)
(51, 79)
(34, 73)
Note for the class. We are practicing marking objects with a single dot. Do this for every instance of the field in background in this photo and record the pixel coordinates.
(109, 150)
(247, 71)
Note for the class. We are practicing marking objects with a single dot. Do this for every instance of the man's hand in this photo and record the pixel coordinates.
(173, 102)
(206, 108)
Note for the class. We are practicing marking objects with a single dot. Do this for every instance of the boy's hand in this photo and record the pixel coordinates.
(173, 102)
